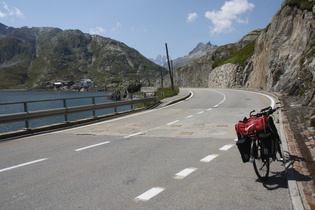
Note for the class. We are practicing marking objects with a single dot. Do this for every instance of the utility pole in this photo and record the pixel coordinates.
(169, 67)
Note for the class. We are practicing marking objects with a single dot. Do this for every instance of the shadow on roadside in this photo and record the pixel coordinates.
(280, 179)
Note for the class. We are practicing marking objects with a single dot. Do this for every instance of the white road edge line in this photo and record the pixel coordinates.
(94, 145)
(149, 194)
(135, 134)
(191, 95)
(182, 174)
(209, 158)
(172, 122)
(226, 147)
(224, 98)
(23, 164)
(271, 99)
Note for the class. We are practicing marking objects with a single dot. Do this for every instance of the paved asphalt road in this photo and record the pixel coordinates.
(180, 157)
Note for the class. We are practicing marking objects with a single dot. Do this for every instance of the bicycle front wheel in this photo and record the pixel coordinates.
(261, 163)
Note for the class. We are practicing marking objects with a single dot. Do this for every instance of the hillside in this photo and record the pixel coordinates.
(35, 57)
(200, 50)
(279, 58)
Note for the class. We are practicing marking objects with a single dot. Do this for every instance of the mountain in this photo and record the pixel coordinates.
(278, 58)
(200, 50)
(34, 57)
(160, 60)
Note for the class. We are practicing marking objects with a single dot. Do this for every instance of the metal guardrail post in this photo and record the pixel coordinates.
(27, 126)
(145, 96)
(115, 99)
(93, 102)
(65, 106)
(131, 97)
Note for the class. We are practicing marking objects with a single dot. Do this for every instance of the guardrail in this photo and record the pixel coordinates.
(27, 115)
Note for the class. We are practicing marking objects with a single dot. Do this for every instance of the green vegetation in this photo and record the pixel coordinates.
(166, 92)
(162, 93)
(301, 92)
(237, 56)
(9, 77)
(301, 4)
(310, 53)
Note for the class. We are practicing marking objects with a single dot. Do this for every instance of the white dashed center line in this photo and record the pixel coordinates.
(135, 134)
(94, 145)
(149, 194)
(23, 164)
(200, 112)
(182, 174)
(226, 147)
(209, 158)
(172, 122)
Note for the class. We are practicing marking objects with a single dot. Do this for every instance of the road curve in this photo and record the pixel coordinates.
(181, 156)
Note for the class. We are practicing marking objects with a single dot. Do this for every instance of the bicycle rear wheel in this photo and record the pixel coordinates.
(261, 162)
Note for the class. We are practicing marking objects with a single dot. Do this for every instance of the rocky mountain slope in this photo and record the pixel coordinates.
(33, 57)
(200, 50)
(202, 72)
(279, 58)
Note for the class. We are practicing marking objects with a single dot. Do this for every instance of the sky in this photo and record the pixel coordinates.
(146, 25)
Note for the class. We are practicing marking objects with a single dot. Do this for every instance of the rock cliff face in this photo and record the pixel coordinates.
(279, 58)
(283, 52)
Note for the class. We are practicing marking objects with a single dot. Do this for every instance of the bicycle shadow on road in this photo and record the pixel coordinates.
(275, 180)
(292, 173)
(280, 179)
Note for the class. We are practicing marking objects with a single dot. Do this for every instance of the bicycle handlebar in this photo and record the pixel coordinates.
(265, 111)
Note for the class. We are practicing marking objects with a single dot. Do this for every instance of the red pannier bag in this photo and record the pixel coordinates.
(244, 129)
(251, 126)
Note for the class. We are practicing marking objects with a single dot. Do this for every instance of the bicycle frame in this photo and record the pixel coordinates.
(252, 150)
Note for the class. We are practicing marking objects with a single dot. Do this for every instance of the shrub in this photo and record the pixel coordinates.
(301, 4)
(166, 92)
(237, 57)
